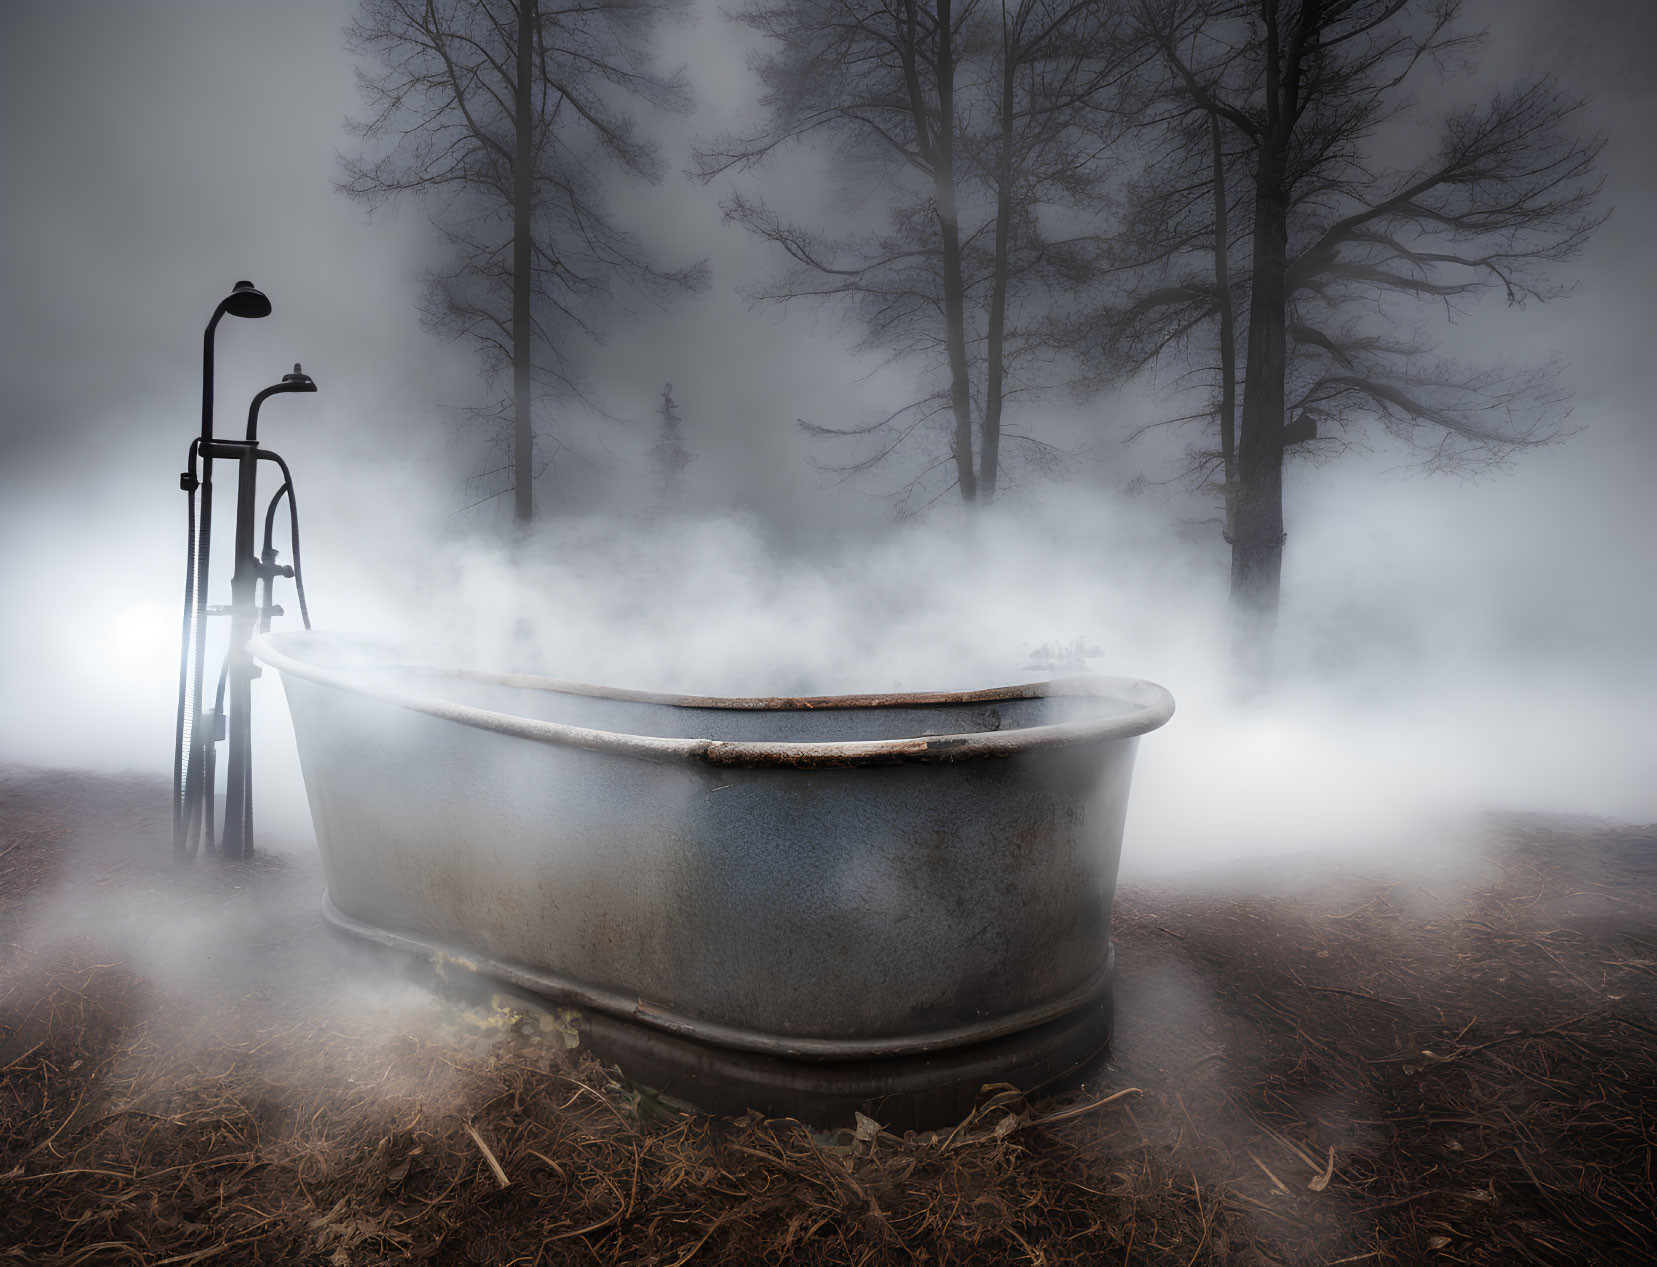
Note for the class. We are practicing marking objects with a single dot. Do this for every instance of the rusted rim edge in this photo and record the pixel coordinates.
(1155, 706)
(752, 703)
(631, 1008)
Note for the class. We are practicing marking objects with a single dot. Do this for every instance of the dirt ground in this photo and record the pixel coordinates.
(1451, 1064)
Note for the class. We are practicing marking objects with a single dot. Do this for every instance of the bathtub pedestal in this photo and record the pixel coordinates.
(926, 1091)
(935, 1086)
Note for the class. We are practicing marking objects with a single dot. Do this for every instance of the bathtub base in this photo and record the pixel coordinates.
(913, 1090)
(925, 1091)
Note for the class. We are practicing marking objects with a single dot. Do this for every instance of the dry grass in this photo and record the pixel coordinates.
(1365, 1072)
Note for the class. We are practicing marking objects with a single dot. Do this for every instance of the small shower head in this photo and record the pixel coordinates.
(246, 300)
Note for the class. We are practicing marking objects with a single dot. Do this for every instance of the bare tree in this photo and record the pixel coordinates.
(973, 127)
(1348, 257)
(501, 117)
(1174, 298)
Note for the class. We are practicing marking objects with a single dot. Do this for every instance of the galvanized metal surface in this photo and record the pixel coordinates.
(827, 880)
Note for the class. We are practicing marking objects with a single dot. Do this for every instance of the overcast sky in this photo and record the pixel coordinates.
(156, 152)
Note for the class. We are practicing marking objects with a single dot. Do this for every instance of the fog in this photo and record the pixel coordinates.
(1446, 644)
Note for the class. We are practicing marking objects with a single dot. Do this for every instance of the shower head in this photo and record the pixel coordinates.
(246, 300)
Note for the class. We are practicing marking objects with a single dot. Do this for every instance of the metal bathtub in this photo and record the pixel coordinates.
(801, 906)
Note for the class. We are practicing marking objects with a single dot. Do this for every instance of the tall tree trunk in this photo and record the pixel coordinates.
(943, 184)
(1257, 528)
(1228, 330)
(523, 205)
(990, 450)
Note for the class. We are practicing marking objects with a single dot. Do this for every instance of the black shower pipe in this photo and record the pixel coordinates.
(244, 300)
(245, 616)
(200, 728)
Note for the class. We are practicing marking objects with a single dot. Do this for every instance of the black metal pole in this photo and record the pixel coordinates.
(237, 842)
(191, 741)
(188, 748)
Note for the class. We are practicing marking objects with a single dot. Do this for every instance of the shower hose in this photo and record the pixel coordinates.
(198, 732)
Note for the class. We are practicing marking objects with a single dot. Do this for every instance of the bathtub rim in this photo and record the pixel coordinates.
(1153, 706)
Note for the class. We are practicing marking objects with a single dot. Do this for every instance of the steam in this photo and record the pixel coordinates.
(1412, 694)
(1446, 646)
(1407, 703)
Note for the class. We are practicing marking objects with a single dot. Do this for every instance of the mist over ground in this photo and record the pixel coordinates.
(1447, 644)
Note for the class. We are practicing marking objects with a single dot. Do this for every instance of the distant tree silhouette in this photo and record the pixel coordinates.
(974, 128)
(502, 117)
(668, 456)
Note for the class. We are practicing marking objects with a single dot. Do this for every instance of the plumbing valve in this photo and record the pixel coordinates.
(267, 567)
